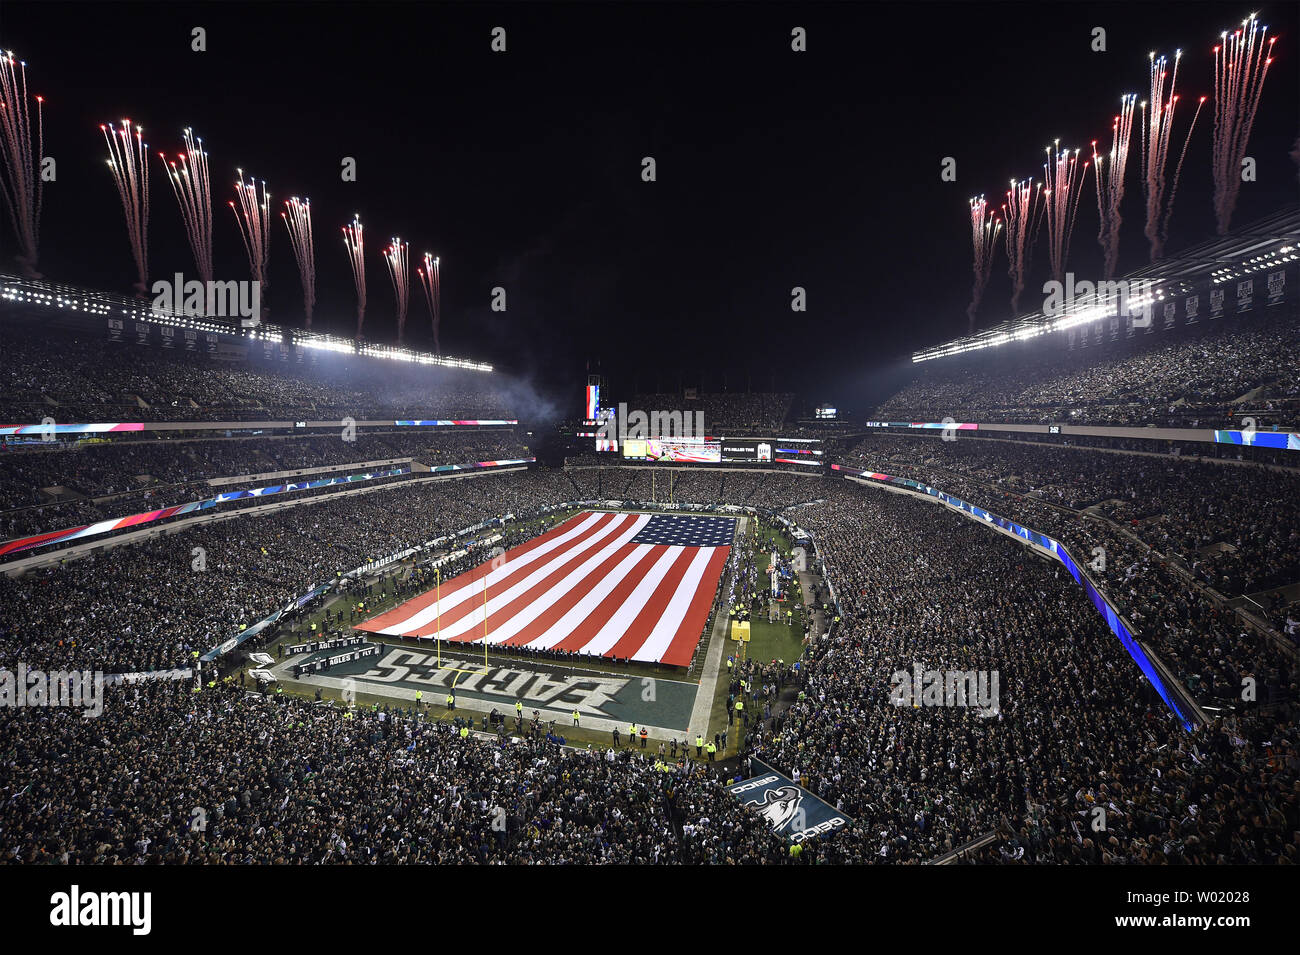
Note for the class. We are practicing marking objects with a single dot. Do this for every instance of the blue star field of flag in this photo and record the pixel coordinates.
(679, 531)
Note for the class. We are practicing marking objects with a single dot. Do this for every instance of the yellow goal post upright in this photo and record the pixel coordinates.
(437, 614)
(740, 633)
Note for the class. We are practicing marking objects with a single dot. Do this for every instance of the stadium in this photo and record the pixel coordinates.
(286, 579)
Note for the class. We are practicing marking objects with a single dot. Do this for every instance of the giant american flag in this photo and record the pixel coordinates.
(633, 586)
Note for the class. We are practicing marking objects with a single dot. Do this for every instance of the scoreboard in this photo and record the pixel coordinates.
(804, 452)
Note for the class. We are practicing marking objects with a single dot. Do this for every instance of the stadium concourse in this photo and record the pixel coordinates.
(1177, 746)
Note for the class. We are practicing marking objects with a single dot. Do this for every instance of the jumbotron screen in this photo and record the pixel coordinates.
(689, 450)
(805, 452)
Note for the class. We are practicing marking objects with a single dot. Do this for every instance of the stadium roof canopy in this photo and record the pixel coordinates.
(1264, 244)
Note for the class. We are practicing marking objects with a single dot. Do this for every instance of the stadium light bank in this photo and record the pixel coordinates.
(1156, 288)
(29, 292)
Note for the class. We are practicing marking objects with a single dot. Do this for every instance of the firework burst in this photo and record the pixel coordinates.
(128, 159)
(354, 239)
(253, 215)
(398, 257)
(297, 220)
(431, 282)
(1110, 170)
(1020, 214)
(1241, 62)
(188, 176)
(1157, 133)
(1064, 177)
(985, 227)
(21, 154)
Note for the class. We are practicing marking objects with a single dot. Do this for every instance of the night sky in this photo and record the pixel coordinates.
(523, 169)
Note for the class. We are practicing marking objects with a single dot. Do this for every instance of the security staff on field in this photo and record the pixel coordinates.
(699, 745)
(575, 717)
(451, 701)
(712, 750)
(519, 708)
(645, 733)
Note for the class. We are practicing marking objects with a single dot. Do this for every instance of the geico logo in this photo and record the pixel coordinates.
(828, 826)
(753, 784)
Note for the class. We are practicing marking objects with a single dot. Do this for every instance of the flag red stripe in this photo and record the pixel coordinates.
(683, 644)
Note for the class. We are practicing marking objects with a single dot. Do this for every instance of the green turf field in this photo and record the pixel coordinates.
(774, 641)
(768, 641)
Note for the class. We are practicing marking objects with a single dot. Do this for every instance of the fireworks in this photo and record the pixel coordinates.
(985, 228)
(397, 255)
(354, 239)
(1157, 130)
(253, 215)
(298, 221)
(431, 282)
(129, 162)
(1110, 182)
(1018, 212)
(21, 182)
(1241, 63)
(193, 190)
(1064, 178)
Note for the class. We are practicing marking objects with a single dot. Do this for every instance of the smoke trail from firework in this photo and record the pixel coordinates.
(298, 221)
(253, 215)
(21, 182)
(354, 239)
(193, 190)
(1064, 177)
(430, 280)
(1018, 212)
(1241, 64)
(984, 229)
(398, 257)
(130, 165)
(1110, 182)
(1157, 129)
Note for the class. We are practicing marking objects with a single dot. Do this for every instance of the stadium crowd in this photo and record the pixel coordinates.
(130, 475)
(1194, 380)
(1077, 727)
(77, 379)
(1210, 516)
